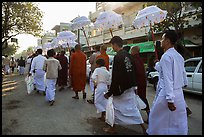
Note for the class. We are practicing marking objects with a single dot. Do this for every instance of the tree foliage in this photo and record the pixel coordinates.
(20, 18)
(10, 50)
(177, 17)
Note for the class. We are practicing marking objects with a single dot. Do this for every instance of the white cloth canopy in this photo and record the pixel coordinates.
(149, 14)
(80, 22)
(108, 19)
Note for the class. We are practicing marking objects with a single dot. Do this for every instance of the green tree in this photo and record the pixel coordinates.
(177, 17)
(20, 18)
(10, 50)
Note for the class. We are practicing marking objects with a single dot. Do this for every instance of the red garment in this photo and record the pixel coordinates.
(106, 59)
(63, 73)
(78, 71)
(140, 76)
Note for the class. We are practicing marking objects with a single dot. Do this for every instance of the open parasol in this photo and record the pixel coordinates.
(108, 20)
(79, 23)
(148, 17)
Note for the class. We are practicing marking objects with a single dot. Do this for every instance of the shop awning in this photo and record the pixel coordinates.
(189, 43)
(144, 47)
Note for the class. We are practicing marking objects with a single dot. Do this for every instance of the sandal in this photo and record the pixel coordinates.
(90, 101)
(109, 130)
(75, 97)
(52, 102)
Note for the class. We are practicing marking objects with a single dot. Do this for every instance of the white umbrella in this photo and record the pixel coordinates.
(69, 44)
(108, 20)
(148, 17)
(79, 23)
(48, 46)
(67, 35)
(151, 14)
(55, 43)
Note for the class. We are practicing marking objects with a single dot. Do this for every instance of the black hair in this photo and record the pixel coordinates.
(97, 47)
(117, 40)
(62, 52)
(50, 53)
(100, 62)
(171, 35)
(39, 51)
(127, 48)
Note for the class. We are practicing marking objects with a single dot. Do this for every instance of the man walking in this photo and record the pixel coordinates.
(21, 64)
(51, 66)
(168, 113)
(37, 70)
(122, 88)
(140, 77)
(62, 78)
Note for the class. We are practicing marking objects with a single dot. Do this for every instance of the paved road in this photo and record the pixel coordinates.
(24, 114)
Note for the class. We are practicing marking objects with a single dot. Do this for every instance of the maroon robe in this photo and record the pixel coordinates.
(140, 76)
(62, 75)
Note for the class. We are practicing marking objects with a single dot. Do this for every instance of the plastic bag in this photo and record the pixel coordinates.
(139, 103)
(110, 112)
(30, 85)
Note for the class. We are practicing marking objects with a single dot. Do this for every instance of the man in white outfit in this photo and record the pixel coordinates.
(51, 66)
(168, 113)
(37, 70)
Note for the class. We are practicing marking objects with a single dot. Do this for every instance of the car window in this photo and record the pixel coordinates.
(190, 66)
(200, 69)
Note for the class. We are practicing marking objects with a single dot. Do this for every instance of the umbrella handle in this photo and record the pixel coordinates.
(111, 32)
(86, 38)
(153, 40)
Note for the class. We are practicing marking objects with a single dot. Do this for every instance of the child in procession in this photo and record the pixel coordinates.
(101, 79)
(51, 66)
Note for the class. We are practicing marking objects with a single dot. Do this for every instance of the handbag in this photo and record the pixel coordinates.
(139, 103)
(30, 84)
(110, 112)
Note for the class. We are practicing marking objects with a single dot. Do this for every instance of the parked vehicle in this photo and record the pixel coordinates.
(88, 67)
(193, 67)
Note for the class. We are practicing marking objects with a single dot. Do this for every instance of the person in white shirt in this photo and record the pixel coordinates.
(92, 61)
(168, 113)
(51, 66)
(101, 79)
(38, 72)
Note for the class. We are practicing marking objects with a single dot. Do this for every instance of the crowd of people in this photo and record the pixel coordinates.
(9, 65)
(167, 115)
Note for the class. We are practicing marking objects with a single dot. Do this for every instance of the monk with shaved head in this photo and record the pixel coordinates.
(140, 77)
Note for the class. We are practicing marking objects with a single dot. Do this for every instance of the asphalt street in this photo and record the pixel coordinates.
(24, 114)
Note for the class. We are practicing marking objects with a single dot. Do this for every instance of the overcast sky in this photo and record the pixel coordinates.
(54, 13)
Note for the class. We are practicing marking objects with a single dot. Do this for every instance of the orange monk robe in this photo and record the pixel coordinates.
(78, 71)
(106, 59)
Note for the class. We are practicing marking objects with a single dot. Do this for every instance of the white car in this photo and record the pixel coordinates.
(193, 67)
(88, 66)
